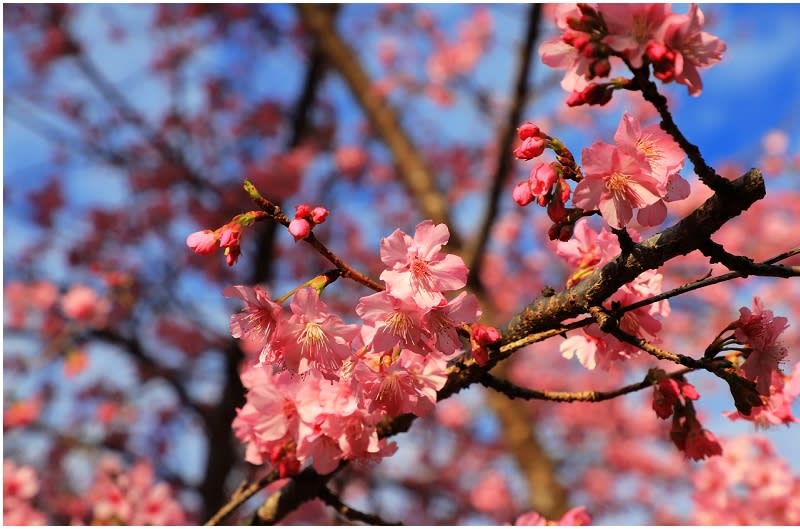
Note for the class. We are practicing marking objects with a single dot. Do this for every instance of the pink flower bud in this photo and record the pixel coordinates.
(484, 334)
(528, 130)
(299, 228)
(522, 193)
(319, 214)
(202, 242)
(302, 211)
(541, 179)
(230, 236)
(575, 99)
(530, 148)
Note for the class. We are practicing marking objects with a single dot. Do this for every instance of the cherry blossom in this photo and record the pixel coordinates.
(417, 269)
(760, 329)
(693, 48)
(617, 181)
(321, 339)
(258, 320)
(631, 27)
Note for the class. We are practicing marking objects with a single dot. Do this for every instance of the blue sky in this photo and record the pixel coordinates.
(754, 90)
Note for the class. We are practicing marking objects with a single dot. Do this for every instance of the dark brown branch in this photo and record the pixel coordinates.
(246, 491)
(704, 282)
(513, 391)
(303, 487)
(705, 172)
(744, 265)
(744, 392)
(681, 238)
(412, 168)
(348, 512)
(475, 254)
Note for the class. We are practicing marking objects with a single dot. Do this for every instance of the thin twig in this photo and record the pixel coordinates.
(275, 212)
(246, 491)
(513, 391)
(348, 512)
(475, 255)
(413, 169)
(704, 282)
(744, 265)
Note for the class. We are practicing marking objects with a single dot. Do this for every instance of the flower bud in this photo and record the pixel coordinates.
(522, 193)
(528, 130)
(202, 242)
(302, 211)
(530, 148)
(319, 214)
(300, 229)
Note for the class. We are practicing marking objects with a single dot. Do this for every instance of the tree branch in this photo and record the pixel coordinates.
(513, 391)
(474, 255)
(705, 172)
(349, 513)
(744, 265)
(412, 168)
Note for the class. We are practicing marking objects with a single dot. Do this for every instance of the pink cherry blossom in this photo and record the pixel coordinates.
(258, 320)
(442, 322)
(589, 248)
(693, 48)
(133, 497)
(669, 392)
(269, 417)
(665, 158)
(632, 26)
(616, 181)
(322, 340)
(558, 54)
(416, 267)
(759, 329)
(401, 383)
(392, 321)
(747, 485)
(203, 242)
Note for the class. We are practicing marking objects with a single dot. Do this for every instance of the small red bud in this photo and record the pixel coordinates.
(575, 99)
(528, 130)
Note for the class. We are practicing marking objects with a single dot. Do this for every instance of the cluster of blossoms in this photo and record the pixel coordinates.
(305, 218)
(592, 38)
(757, 330)
(748, 485)
(115, 498)
(227, 237)
(587, 251)
(132, 497)
(672, 397)
(640, 171)
(322, 386)
(20, 487)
